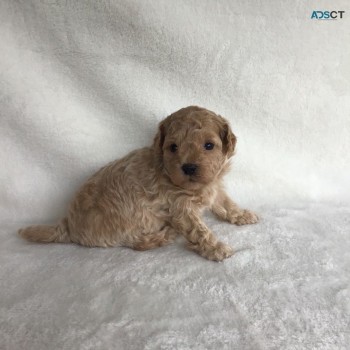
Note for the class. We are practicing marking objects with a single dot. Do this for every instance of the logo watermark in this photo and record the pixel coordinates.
(327, 15)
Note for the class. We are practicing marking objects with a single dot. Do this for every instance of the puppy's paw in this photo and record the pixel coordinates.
(217, 252)
(220, 252)
(246, 217)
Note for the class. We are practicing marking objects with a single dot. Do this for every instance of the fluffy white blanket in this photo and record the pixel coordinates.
(287, 287)
(84, 82)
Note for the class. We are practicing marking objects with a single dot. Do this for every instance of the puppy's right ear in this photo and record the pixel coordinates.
(159, 138)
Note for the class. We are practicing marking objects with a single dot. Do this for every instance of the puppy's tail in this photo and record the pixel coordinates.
(46, 234)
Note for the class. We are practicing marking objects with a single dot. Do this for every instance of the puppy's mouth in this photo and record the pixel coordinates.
(188, 182)
(195, 180)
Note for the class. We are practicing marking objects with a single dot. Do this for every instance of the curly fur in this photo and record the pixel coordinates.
(145, 199)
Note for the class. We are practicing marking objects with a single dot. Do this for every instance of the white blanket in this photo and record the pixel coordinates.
(85, 82)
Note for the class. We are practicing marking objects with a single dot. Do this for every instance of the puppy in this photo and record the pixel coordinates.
(147, 198)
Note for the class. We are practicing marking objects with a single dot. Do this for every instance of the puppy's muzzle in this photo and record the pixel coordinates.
(189, 169)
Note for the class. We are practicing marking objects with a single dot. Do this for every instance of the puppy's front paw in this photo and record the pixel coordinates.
(246, 217)
(220, 252)
(217, 252)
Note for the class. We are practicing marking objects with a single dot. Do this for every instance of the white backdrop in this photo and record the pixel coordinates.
(84, 82)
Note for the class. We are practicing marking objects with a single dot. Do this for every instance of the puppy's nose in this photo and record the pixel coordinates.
(189, 169)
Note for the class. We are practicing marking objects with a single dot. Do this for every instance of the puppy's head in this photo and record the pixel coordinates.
(194, 145)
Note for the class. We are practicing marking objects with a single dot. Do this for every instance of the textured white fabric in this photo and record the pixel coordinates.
(287, 287)
(85, 82)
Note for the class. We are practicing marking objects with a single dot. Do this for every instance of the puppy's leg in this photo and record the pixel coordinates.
(154, 240)
(225, 209)
(200, 238)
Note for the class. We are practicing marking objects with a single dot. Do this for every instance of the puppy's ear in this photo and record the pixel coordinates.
(228, 138)
(159, 138)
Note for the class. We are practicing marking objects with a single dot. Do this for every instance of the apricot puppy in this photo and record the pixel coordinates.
(147, 198)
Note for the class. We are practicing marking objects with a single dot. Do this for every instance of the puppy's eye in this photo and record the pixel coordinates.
(173, 148)
(209, 146)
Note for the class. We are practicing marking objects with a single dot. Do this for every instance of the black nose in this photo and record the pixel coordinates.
(189, 169)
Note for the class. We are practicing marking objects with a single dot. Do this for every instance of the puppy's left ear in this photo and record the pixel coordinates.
(228, 138)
